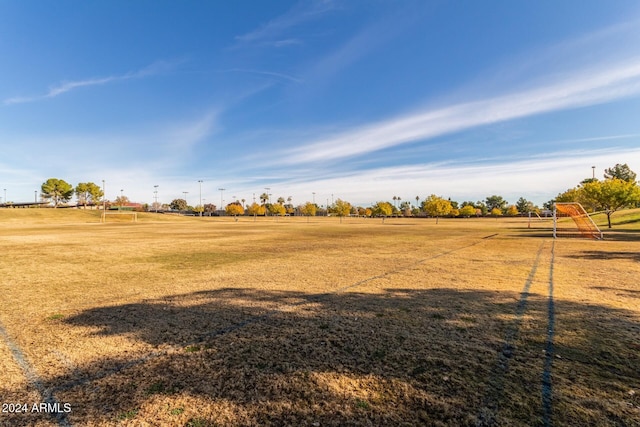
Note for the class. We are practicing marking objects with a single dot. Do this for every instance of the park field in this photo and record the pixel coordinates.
(187, 321)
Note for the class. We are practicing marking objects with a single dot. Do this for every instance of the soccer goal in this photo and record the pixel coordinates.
(582, 224)
(133, 215)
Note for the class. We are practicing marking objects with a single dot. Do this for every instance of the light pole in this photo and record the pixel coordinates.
(155, 195)
(185, 197)
(35, 196)
(201, 207)
(5, 195)
(314, 197)
(104, 198)
(221, 193)
(593, 172)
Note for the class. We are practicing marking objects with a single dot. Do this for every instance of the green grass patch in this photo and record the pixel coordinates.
(128, 415)
(180, 259)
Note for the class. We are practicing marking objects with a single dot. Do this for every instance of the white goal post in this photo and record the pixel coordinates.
(134, 215)
(583, 222)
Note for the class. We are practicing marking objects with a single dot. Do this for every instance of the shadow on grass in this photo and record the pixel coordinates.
(398, 357)
(608, 255)
(630, 293)
(622, 235)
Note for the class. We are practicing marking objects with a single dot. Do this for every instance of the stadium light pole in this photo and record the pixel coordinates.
(155, 195)
(314, 197)
(221, 193)
(201, 207)
(593, 172)
(104, 198)
(35, 196)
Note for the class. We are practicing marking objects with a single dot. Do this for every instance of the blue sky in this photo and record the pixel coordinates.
(362, 100)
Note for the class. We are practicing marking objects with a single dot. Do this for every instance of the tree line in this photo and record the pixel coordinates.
(618, 190)
(435, 206)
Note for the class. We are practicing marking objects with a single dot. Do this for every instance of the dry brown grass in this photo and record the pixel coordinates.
(198, 321)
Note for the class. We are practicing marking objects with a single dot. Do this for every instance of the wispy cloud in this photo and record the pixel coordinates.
(274, 31)
(64, 87)
(590, 87)
(161, 148)
(538, 178)
(279, 76)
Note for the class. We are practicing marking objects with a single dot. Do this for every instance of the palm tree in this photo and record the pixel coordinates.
(394, 200)
(281, 201)
(264, 197)
(243, 200)
(417, 201)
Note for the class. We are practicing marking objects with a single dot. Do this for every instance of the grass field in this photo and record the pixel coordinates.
(206, 321)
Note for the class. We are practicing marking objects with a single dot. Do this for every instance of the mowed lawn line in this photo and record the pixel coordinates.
(494, 394)
(33, 380)
(547, 385)
(254, 319)
(595, 368)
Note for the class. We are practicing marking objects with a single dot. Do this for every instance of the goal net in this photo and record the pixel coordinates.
(571, 220)
(119, 216)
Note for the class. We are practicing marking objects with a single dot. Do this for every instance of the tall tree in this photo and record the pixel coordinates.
(482, 207)
(276, 209)
(495, 202)
(524, 205)
(210, 208)
(382, 209)
(611, 195)
(308, 209)
(342, 208)
(622, 172)
(619, 171)
(88, 193)
(57, 191)
(256, 209)
(437, 206)
(121, 201)
(234, 209)
(512, 210)
(178, 204)
(467, 211)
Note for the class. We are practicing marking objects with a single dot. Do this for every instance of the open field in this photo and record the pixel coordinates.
(207, 321)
